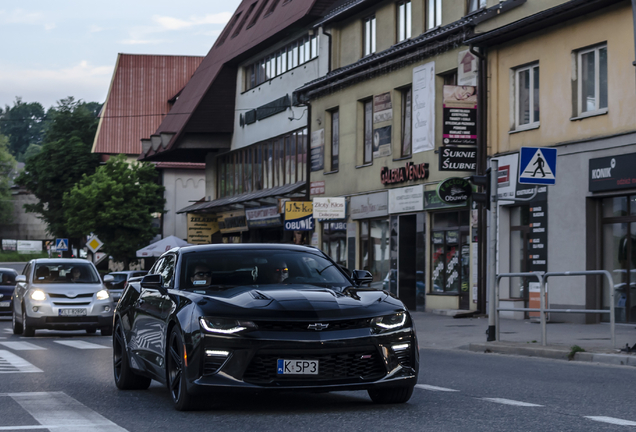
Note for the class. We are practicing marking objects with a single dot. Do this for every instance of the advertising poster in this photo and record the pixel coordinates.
(318, 150)
(382, 142)
(460, 115)
(424, 108)
(329, 208)
(264, 217)
(467, 66)
(407, 199)
(382, 108)
(30, 246)
(299, 216)
(9, 245)
(201, 228)
(232, 221)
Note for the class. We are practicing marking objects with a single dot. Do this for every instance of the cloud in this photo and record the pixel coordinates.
(20, 16)
(95, 28)
(170, 23)
(141, 41)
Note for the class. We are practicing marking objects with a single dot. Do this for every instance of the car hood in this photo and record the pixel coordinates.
(298, 302)
(69, 289)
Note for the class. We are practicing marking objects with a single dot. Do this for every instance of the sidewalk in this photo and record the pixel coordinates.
(522, 337)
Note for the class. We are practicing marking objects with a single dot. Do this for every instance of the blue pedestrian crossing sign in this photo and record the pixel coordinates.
(61, 244)
(537, 165)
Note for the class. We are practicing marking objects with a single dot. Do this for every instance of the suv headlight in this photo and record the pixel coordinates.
(389, 322)
(103, 294)
(225, 326)
(38, 295)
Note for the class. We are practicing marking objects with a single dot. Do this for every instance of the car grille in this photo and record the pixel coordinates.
(303, 325)
(404, 357)
(363, 364)
(64, 296)
(79, 319)
(71, 303)
(213, 364)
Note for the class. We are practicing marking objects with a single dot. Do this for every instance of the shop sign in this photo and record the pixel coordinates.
(264, 217)
(454, 190)
(437, 237)
(299, 216)
(467, 67)
(369, 206)
(318, 150)
(317, 188)
(407, 199)
(230, 222)
(382, 142)
(460, 115)
(423, 108)
(9, 245)
(382, 108)
(409, 172)
(458, 159)
(29, 246)
(612, 173)
(432, 201)
(329, 208)
(201, 227)
(336, 226)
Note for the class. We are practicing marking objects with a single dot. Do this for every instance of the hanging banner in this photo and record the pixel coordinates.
(318, 150)
(382, 108)
(329, 208)
(299, 216)
(264, 217)
(201, 228)
(424, 108)
(233, 221)
(460, 115)
(382, 142)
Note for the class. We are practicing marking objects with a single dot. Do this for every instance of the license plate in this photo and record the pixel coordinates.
(72, 312)
(297, 367)
(5, 304)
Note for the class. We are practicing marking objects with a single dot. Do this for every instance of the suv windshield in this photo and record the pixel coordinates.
(7, 277)
(75, 272)
(225, 269)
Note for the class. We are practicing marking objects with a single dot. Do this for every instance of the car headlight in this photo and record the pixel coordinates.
(225, 326)
(103, 294)
(38, 295)
(389, 322)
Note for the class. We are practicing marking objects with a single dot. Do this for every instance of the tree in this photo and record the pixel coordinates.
(116, 203)
(64, 158)
(7, 165)
(23, 124)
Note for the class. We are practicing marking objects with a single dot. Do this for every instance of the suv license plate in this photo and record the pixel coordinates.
(72, 312)
(297, 367)
(5, 304)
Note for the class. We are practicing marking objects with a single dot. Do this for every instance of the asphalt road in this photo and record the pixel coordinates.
(17, 266)
(63, 380)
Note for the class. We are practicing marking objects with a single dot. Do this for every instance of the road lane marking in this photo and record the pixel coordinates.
(612, 420)
(510, 402)
(11, 363)
(433, 388)
(8, 330)
(21, 346)
(57, 410)
(80, 344)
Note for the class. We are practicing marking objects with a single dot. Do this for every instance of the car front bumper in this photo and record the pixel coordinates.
(48, 315)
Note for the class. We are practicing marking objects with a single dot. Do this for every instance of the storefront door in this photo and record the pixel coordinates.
(407, 261)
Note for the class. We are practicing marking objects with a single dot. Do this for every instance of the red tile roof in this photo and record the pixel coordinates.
(138, 97)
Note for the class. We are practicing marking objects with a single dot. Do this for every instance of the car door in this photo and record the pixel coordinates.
(152, 310)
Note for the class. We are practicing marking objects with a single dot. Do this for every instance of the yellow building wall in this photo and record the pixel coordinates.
(554, 51)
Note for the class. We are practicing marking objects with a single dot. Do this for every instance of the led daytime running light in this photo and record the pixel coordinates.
(217, 353)
(392, 326)
(233, 330)
(400, 347)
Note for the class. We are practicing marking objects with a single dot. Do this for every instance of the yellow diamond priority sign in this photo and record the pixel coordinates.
(94, 244)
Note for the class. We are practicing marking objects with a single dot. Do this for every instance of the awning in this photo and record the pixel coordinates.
(277, 192)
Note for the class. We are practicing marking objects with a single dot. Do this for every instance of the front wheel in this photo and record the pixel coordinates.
(27, 330)
(125, 378)
(391, 395)
(176, 368)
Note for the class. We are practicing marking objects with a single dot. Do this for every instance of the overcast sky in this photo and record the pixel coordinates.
(52, 49)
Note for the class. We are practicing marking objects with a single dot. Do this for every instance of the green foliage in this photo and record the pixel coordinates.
(64, 158)
(20, 257)
(24, 124)
(7, 165)
(116, 203)
(573, 350)
(32, 150)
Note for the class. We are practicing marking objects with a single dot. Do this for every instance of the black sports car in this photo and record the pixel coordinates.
(259, 317)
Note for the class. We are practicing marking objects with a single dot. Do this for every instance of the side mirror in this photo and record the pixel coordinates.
(20, 278)
(154, 282)
(109, 279)
(362, 277)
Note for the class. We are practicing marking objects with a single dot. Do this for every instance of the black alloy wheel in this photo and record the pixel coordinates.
(17, 327)
(177, 373)
(27, 330)
(125, 378)
(391, 395)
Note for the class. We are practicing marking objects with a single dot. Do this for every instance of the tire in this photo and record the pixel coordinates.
(106, 331)
(182, 400)
(91, 331)
(27, 330)
(17, 327)
(125, 378)
(391, 395)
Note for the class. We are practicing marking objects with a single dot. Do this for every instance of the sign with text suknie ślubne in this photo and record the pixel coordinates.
(329, 208)
(458, 158)
(537, 165)
(299, 216)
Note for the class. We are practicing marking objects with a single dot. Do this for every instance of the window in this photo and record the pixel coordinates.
(229, 28)
(403, 20)
(258, 13)
(272, 7)
(450, 252)
(592, 79)
(475, 5)
(335, 139)
(374, 247)
(407, 96)
(369, 35)
(526, 83)
(368, 131)
(245, 17)
(434, 12)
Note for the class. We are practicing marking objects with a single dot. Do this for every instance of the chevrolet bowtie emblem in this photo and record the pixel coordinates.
(317, 326)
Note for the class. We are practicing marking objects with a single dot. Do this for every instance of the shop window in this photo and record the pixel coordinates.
(335, 139)
(450, 254)
(526, 93)
(407, 96)
(369, 35)
(403, 20)
(434, 13)
(334, 241)
(592, 80)
(374, 248)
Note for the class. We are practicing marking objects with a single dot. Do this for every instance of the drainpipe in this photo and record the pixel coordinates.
(634, 16)
(308, 154)
(329, 48)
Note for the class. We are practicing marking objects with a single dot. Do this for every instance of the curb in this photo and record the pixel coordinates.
(555, 353)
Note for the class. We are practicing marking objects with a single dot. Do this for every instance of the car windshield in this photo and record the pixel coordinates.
(224, 269)
(119, 277)
(7, 277)
(65, 272)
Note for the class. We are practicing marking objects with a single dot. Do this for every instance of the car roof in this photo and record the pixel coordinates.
(128, 272)
(60, 261)
(243, 246)
(6, 269)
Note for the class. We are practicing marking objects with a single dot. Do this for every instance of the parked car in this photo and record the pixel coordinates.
(261, 317)
(7, 285)
(61, 294)
(121, 279)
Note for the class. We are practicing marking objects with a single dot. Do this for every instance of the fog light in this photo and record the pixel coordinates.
(35, 308)
(217, 353)
(400, 347)
(106, 308)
